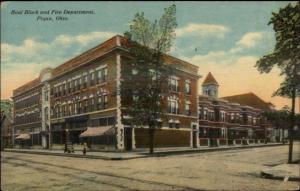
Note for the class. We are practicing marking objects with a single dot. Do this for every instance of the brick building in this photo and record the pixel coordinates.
(231, 120)
(79, 101)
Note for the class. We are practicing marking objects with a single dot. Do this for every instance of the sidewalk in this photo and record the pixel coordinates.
(137, 153)
(285, 172)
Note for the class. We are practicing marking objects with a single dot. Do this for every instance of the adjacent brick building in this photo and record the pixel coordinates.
(231, 120)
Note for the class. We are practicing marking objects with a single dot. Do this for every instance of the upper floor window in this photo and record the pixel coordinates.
(85, 81)
(102, 102)
(222, 118)
(188, 108)
(46, 95)
(79, 83)
(173, 83)
(101, 75)
(134, 71)
(173, 105)
(46, 114)
(75, 85)
(187, 86)
(92, 80)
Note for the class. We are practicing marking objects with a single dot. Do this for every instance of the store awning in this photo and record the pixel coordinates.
(23, 136)
(97, 131)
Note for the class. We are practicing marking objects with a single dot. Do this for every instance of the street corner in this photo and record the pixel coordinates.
(285, 172)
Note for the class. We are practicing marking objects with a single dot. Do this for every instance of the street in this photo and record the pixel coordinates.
(223, 170)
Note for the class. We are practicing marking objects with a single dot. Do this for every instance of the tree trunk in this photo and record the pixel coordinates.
(151, 140)
(292, 123)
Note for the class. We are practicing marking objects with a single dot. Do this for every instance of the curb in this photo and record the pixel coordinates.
(144, 155)
(271, 176)
(179, 152)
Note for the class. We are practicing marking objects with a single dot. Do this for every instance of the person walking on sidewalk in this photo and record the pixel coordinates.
(84, 149)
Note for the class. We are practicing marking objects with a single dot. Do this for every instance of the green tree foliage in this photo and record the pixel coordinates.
(286, 56)
(147, 75)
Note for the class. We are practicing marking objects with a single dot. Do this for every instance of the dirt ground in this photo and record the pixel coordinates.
(226, 170)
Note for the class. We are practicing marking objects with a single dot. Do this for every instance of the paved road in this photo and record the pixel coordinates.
(226, 170)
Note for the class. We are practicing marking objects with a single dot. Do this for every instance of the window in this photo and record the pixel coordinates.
(65, 88)
(171, 125)
(211, 116)
(173, 106)
(92, 103)
(222, 116)
(46, 114)
(60, 90)
(69, 87)
(173, 84)
(92, 80)
(135, 96)
(187, 108)
(102, 102)
(110, 120)
(85, 81)
(208, 92)
(232, 117)
(79, 107)
(85, 107)
(75, 108)
(70, 110)
(75, 85)
(134, 71)
(187, 86)
(79, 83)
(250, 120)
(46, 95)
(101, 75)
(153, 74)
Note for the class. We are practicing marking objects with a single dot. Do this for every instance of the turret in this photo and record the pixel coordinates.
(210, 86)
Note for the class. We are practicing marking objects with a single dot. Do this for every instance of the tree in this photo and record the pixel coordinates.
(147, 74)
(286, 24)
(279, 119)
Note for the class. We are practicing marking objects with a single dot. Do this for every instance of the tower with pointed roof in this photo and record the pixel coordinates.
(210, 86)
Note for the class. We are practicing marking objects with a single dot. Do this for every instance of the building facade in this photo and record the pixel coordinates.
(6, 122)
(231, 120)
(80, 101)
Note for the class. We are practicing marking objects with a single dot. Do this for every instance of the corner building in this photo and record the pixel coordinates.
(79, 101)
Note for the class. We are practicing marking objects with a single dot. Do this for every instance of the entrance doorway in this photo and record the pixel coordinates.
(128, 139)
(194, 139)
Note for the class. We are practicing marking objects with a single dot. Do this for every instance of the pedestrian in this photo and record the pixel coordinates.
(84, 149)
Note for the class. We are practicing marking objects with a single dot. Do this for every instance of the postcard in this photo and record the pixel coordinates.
(163, 95)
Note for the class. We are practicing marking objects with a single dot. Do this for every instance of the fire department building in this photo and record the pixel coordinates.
(80, 101)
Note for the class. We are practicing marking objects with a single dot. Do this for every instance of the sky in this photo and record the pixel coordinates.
(224, 38)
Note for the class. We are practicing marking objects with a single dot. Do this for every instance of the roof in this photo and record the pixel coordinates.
(210, 80)
(102, 49)
(249, 99)
(27, 86)
(88, 55)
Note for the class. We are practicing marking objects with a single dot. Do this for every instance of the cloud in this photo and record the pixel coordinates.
(251, 39)
(202, 30)
(236, 74)
(22, 63)
(83, 39)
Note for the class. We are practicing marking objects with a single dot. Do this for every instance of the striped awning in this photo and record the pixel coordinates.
(97, 131)
(23, 136)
